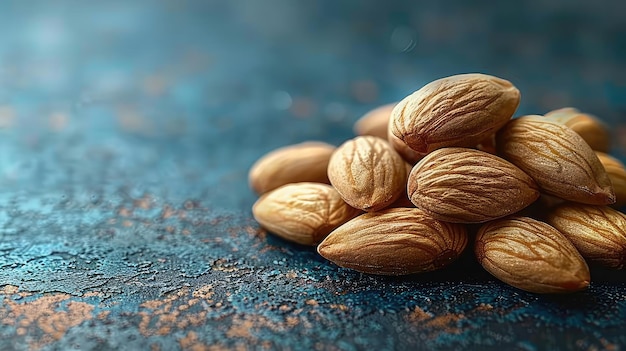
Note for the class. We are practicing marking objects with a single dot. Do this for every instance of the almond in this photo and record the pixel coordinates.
(557, 158)
(375, 122)
(304, 162)
(531, 255)
(589, 127)
(367, 172)
(394, 241)
(469, 186)
(598, 232)
(303, 213)
(460, 110)
(616, 171)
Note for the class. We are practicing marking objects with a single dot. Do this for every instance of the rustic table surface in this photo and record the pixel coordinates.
(127, 129)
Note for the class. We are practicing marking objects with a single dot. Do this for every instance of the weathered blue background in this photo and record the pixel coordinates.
(127, 129)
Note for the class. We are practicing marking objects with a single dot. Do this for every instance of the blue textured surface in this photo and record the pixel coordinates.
(128, 129)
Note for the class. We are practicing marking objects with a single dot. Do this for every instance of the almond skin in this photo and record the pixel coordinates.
(394, 241)
(557, 158)
(616, 171)
(598, 232)
(303, 213)
(531, 255)
(375, 122)
(304, 162)
(469, 186)
(590, 128)
(460, 110)
(368, 173)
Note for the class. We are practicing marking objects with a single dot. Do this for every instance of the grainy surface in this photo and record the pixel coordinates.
(128, 129)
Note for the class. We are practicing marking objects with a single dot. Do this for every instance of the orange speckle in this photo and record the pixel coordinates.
(364, 91)
(303, 107)
(58, 121)
(339, 307)
(145, 203)
(46, 314)
(124, 212)
(163, 331)
(9, 290)
(155, 85)
(312, 302)
(127, 223)
(7, 116)
(167, 212)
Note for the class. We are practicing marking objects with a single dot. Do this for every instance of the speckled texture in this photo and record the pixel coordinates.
(127, 130)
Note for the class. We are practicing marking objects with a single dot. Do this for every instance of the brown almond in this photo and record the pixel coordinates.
(460, 110)
(394, 241)
(367, 172)
(589, 127)
(303, 213)
(598, 232)
(616, 171)
(375, 122)
(304, 162)
(557, 158)
(469, 186)
(531, 255)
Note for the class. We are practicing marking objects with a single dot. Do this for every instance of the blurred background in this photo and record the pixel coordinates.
(146, 92)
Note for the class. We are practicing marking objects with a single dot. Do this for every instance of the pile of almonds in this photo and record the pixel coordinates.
(448, 165)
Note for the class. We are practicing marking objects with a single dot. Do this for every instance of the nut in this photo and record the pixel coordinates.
(590, 128)
(367, 172)
(304, 162)
(469, 186)
(598, 232)
(557, 158)
(375, 122)
(531, 255)
(460, 110)
(394, 241)
(616, 171)
(303, 213)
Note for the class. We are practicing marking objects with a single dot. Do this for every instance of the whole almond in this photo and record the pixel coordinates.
(460, 110)
(469, 186)
(367, 172)
(616, 171)
(304, 162)
(394, 241)
(303, 213)
(598, 232)
(531, 255)
(375, 122)
(589, 127)
(557, 158)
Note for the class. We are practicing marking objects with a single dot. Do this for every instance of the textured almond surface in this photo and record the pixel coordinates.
(302, 212)
(304, 162)
(395, 241)
(557, 158)
(598, 232)
(367, 172)
(460, 110)
(375, 122)
(469, 186)
(590, 128)
(531, 255)
(616, 171)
